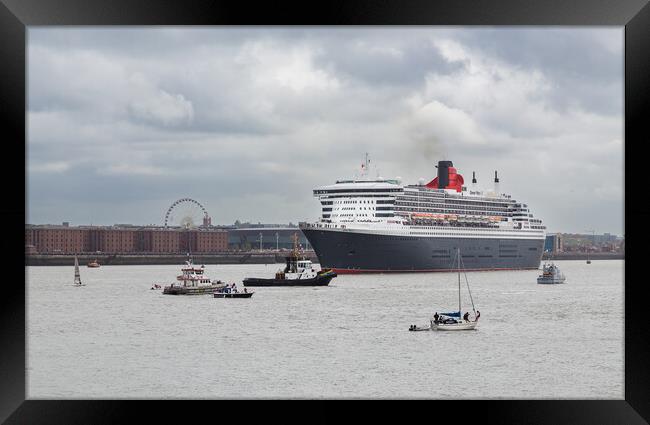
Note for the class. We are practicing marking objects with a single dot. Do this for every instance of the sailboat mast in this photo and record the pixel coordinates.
(469, 291)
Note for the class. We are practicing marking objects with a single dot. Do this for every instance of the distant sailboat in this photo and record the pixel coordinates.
(77, 276)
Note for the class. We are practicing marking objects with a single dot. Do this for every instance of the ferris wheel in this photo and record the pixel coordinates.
(186, 213)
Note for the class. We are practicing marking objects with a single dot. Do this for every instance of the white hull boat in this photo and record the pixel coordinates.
(192, 281)
(551, 274)
(463, 326)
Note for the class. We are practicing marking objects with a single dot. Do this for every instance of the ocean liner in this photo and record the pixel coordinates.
(381, 225)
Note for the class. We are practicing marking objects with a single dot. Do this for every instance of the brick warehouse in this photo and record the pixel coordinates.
(49, 239)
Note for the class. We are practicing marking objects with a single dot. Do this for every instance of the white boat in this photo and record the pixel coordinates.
(77, 276)
(551, 274)
(452, 321)
(459, 326)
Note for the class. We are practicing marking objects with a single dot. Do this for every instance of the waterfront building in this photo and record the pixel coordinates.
(125, 239)
(272, 237)
(553, 243)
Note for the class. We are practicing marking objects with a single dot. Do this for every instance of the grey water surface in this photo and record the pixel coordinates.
(117, 339)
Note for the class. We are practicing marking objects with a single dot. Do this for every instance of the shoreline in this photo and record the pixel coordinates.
(155, 259)
(583, 256)
(234, 258)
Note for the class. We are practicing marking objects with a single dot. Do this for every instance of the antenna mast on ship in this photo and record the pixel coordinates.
(365, 167)
(294, 251)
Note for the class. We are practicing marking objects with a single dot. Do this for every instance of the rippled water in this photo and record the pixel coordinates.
(116, 338)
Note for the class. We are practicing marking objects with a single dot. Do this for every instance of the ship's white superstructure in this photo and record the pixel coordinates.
(388, 207)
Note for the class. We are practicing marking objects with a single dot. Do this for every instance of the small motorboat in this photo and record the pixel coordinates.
(93, 264)
(232, 291)
(419, 328)
(233, 294)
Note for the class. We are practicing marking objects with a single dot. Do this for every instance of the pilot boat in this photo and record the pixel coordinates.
(193, 281)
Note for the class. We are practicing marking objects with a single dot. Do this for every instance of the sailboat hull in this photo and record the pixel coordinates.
(464, 326)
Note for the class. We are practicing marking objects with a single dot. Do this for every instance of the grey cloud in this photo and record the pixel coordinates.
(123, 121)
(385, 60)
(574, 58)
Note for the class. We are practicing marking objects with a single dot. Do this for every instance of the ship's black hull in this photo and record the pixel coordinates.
(348, 252)
(319, 280)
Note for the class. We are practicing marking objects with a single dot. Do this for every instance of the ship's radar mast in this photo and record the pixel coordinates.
(294, 251)
(365, 167)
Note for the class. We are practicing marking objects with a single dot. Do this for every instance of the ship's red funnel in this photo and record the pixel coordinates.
(452, 179)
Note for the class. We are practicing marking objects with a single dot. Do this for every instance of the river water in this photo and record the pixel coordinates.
(117, 339)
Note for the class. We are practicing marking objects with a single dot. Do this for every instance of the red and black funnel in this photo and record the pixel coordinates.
(447, 177)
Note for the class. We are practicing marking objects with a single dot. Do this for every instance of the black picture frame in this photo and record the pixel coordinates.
(17, 15)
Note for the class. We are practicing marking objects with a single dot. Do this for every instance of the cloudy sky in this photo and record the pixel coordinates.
(248, 120)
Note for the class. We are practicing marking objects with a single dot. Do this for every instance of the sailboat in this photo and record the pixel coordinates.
(77, 276)
(593, 239)
(452, 321)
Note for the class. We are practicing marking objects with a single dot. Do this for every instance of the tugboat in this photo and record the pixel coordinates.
(93, 264)
(232, 292)
(193, 281)
(299, 271)
(550, 274)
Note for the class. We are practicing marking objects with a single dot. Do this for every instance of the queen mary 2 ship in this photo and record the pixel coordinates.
(381, 225)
